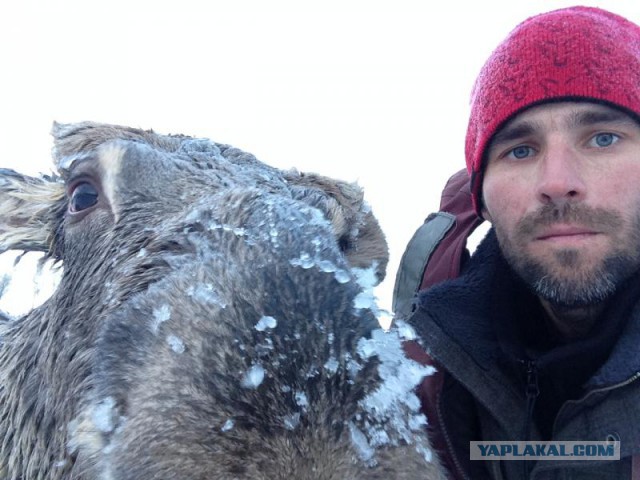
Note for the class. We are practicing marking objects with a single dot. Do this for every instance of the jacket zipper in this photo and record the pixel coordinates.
(532, 392)
(447, 439)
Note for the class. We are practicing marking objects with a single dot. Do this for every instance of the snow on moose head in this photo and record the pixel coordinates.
(207, 322)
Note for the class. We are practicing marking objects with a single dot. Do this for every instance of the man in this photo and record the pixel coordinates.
(539, 337)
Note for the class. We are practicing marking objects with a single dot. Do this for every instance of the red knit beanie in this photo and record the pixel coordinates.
(577, 53)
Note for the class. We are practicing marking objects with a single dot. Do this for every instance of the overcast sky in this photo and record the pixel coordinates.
(368, 91)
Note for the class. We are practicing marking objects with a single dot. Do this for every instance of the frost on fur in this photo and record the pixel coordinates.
(215, 319)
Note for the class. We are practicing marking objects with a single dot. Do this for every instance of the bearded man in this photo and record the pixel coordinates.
(538, 339)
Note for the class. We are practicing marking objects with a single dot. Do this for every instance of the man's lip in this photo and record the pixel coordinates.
(564, 231)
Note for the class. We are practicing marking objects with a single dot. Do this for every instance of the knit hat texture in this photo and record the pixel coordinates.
(577, 53)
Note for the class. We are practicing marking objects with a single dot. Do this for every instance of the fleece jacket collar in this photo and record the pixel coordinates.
(461, 314)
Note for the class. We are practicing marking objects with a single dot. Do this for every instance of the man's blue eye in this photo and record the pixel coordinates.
(520, 152)
(605, 139)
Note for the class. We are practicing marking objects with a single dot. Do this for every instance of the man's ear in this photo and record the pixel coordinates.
(485, 214)
(31, 210)
(483, 209)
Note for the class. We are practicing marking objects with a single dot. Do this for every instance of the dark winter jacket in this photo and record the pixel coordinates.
(502, 376)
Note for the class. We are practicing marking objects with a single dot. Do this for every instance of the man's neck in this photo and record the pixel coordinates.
(572, 323)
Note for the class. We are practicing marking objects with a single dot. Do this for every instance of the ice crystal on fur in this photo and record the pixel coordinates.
(253, 377)
(176, 344)
(266, 323)
(103, 415)
(160, 315)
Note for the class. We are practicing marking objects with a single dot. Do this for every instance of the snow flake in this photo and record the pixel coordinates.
(266, 323)
(331, 365)
(365, 299)
(302, 400)
(291, 421)
(206, 294)
(392, 411)
(176, 344)
(327, 266)
(364, 450)
(228, 425)
(342, 276)
(253, 377)
(103, 415)
(304, 261)
(160, 315)
(405, 331)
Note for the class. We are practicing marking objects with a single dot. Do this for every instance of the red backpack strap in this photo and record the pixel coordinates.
(434, 254)
(635, 467)
(446, 259)
(436, 250)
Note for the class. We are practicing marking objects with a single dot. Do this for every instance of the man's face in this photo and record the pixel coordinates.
(562, 189)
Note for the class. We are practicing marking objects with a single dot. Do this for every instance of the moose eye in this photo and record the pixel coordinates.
(83, 196)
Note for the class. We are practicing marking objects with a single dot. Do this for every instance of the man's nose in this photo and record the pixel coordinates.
(560, 178)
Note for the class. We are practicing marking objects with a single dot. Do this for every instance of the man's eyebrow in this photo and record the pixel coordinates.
(512, 132)
(593, 117)
(517, 130)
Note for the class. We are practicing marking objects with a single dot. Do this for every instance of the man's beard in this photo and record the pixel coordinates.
(571, 283)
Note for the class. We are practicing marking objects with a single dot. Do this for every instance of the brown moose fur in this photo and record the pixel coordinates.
(138, 367)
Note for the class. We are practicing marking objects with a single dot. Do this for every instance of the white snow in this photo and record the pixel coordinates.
(302, 400)
(266, 323)
(304, 261)
(393, 409)
(228, 425)
(405, 331)
(425, 451)
(291, 421)
(399, 374)
(253, 377)
(160, 315)
(326, 266)
(365, 299)
(353, 366)
(331, 365)
(103, 415)
(367, 280)
(205, 293)
(360, 442)
(366, 277)
(342, 276)
(176, 344)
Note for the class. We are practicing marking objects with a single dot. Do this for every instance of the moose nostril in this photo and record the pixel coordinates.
(345, 243)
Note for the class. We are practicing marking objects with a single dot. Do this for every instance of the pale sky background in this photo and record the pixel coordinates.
(368, 91)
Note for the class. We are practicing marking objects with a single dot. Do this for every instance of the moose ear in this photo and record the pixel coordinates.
(357, 230)
(30, 211)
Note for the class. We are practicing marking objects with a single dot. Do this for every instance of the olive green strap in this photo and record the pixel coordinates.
(415, 258)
